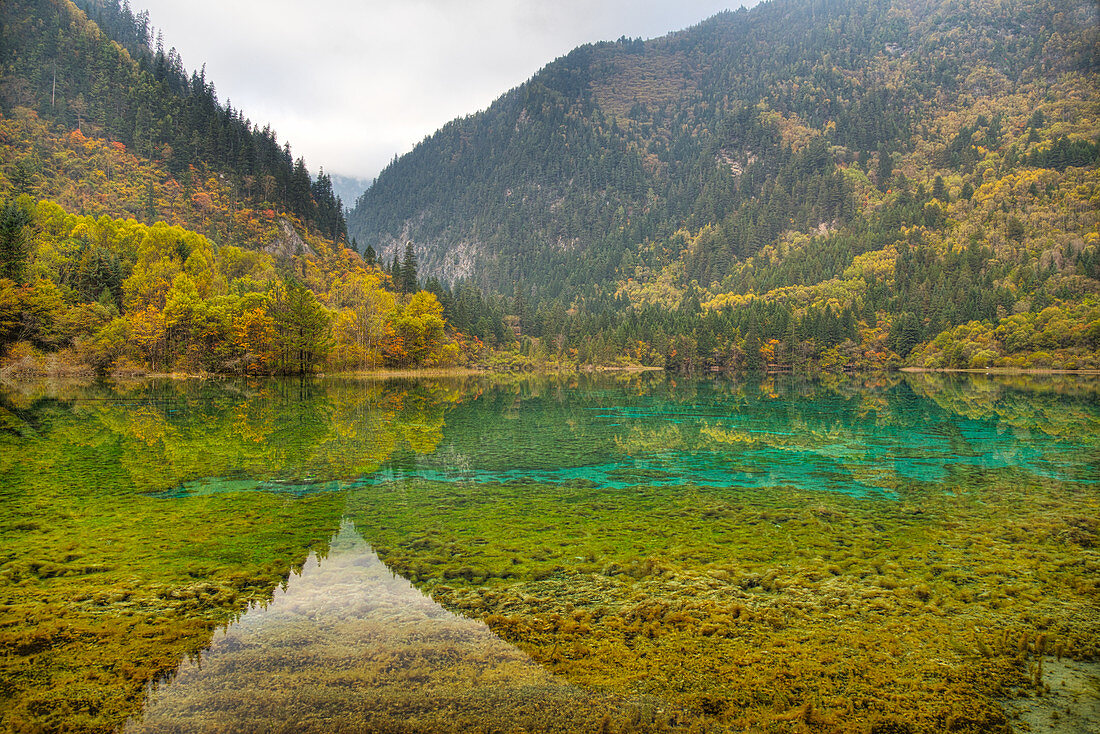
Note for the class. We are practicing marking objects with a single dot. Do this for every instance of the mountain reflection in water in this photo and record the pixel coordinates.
(348, 645)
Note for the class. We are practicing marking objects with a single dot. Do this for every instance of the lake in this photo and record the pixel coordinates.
(635, 552)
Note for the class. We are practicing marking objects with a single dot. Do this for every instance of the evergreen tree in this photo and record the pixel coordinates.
(14, 221)
(409, 281)
(302, 328)
(885, 169)
(939, 191)
(396, 276)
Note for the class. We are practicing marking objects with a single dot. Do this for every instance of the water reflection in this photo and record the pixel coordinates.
(846, 437)
(130, 531)
(876, 438)
(853, 436)
(346, 645)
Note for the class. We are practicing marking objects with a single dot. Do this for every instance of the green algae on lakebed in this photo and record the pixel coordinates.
(104, 587)
(746, 607)
(883, 554)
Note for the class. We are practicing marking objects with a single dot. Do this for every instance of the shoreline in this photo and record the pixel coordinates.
(375, 374)
(456, 372)
(1000, 371)
(476, 372)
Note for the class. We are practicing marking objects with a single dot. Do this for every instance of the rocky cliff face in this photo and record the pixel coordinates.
(287, 243)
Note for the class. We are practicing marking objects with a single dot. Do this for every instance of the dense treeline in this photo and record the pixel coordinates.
(847, 180)
(70, 71)
(93, 176)
(109, 295)
(146, 227)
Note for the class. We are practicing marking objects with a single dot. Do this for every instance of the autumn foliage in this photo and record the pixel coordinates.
(115, 294)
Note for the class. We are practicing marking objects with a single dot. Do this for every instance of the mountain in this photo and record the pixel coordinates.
(349, 188)
(863, 177)
(145, 225)
(108, 80)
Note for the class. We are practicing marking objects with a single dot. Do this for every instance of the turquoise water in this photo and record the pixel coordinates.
(721, 433)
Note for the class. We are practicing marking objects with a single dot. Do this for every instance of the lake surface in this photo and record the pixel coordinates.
(619, 553)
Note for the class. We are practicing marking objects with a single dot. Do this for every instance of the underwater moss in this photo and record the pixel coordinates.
(856, 612)
(812, 570)
(82, 639)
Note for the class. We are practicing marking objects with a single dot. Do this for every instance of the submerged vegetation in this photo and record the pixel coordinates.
(382, 657)
(829, 187)
(758, 608)
(138, 519)
(104, 585)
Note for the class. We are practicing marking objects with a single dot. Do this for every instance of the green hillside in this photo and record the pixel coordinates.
(145, 226)
(842, 184)
(110, 80)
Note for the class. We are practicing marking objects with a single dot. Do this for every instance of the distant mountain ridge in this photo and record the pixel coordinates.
(349, 188)
(647, 126)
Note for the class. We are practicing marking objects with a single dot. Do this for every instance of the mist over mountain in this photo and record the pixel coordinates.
(349, 188)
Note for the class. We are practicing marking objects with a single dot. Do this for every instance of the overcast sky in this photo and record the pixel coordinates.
(350, 83)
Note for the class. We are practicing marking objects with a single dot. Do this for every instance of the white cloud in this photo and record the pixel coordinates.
(350, 84)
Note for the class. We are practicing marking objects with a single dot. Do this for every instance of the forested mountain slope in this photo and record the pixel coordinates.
(838, 182)
(117, 84)
(146, 226)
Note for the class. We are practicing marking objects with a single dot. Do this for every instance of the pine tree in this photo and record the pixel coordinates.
(408, 270)
(302, 325)
(396, 276)
(939, 191)
(885, 169)
(14, 221)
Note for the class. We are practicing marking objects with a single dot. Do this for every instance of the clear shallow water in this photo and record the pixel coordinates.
(644, 545)
(715, 433)
(380, 654)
